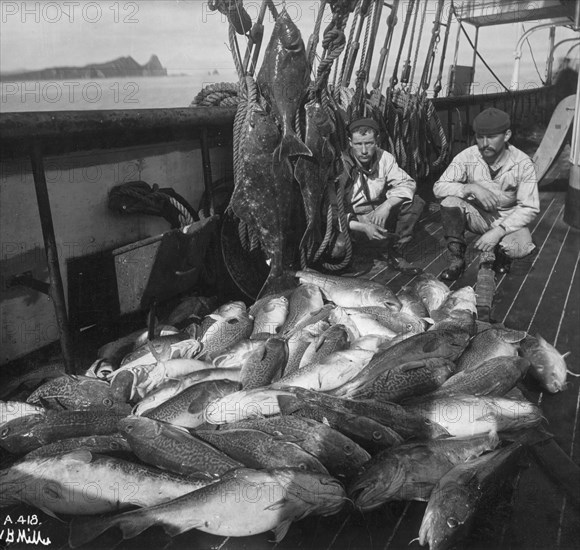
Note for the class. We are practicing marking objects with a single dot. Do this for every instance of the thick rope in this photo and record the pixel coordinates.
(185, 218)
(314, 37)
(343, 225)
(414, 65)
(350, 39)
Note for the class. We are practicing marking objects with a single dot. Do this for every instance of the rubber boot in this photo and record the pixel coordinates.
(502, 263)
(456, 266)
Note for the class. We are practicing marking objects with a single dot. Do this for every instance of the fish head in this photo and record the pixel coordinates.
(448, 516)
(386, 298)
(320, 491)
(378, 481)
(140, 427)
(18, 436)
(231, 309)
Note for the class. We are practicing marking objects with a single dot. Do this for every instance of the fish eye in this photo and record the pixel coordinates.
(348, 449)
(453, 523)
(377, 435)
(108, 402)
(4, 432)
(129, 428)
(302, 466)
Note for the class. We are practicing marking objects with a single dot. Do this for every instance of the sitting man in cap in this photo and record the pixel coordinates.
(379, 194)
(490, 189)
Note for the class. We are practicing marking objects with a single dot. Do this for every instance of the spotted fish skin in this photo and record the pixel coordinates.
(410, 379)
(173, 449)
(31, 432)
(410, 471)
(75, 392)
(187, 409)
(261, 372)
(494, 342)
(338, 453)
(257, 449)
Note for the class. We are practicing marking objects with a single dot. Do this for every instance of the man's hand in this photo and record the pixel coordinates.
(486, 198)
(372, 231)
(380, 215)
(488, 241)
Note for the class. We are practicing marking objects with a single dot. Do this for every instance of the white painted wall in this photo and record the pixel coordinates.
(78, 186)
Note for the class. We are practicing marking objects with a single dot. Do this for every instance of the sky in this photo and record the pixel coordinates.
(188, 37)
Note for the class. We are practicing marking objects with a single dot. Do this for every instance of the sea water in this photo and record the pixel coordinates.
(104, 93)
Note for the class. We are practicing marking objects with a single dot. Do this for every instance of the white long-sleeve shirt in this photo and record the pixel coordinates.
(384, 180)
(515, 185)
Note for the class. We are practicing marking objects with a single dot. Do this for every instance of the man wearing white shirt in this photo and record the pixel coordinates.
(491, 189)
(379, 193)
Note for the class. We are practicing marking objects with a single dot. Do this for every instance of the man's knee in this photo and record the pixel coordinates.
(453, 202)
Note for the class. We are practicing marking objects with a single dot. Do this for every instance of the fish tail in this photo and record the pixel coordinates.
(131, 524)
(291, 146)
(277, 283)
(84, 530)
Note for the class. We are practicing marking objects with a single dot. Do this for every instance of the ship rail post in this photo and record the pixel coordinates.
(55, 289)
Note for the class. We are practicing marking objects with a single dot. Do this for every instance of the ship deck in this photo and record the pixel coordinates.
(540, 295)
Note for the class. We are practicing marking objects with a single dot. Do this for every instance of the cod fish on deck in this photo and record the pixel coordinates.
(80, 482)
(279, 497)
(410, 471)
(461, 491)
(351, 291)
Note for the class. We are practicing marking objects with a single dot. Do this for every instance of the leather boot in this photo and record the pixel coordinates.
(453, 221)
(502, 263)
(456, 266)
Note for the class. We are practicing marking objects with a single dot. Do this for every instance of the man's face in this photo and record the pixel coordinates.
(364, 146)
(491, 146)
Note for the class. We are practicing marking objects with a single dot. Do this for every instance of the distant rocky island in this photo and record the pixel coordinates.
(120, 67)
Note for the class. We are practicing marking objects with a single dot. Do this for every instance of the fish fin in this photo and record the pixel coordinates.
(290, 146)
(513, 336)
(281, 529)
(82, 454)
(411, 365)
(277, 505)
(278, 283)
(50, 513)
(173, 530)
(85, 529)
(431, 345)
(541, 340)
(288, 404)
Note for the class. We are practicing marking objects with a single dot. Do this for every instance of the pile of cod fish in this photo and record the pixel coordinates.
(332, 394)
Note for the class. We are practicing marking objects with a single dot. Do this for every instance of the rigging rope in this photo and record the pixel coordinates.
(414, 65)
(394, 80)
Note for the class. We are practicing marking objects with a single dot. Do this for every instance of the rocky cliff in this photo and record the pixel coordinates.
(120, 67)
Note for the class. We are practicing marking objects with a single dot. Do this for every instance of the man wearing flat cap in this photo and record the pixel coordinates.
(379, 195)
(491, 189)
